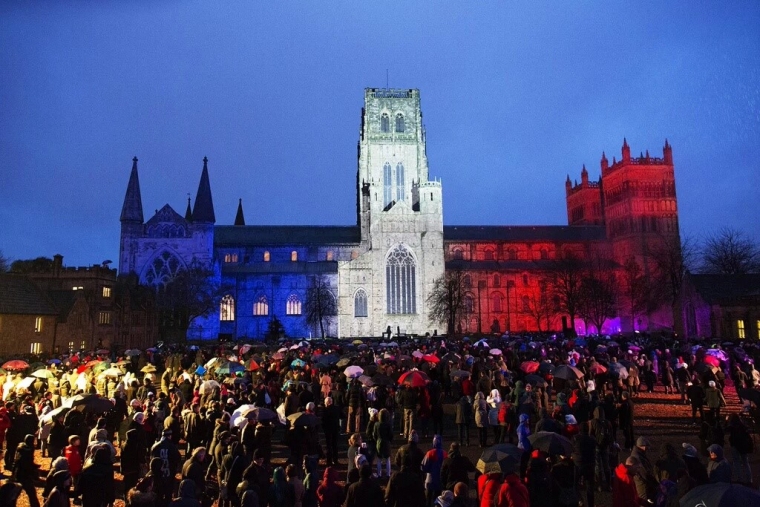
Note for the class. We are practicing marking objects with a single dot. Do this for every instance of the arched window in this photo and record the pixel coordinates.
(496, 302)
(544, 254)
(293, 256)
(401, 281)
(385, 123)
(266, 256)
(467, 281)
(457, 254)
(293, 305)
(496, 281)
(488, 255)
(512, 254)
(387, 185)
(261, 306)
(227, 309)
(400, 188)
(400, 122)
(469, 305)
(163, 269)
(526, 304)
(329, 255)
(360, 303)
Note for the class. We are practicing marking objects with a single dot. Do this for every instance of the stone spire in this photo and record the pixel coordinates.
(132, 210)
(188, 211)
(239, 218)
(203, 211)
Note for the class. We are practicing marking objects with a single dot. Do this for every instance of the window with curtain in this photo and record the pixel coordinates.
(360, 303)
(401, 281)
(227, 309)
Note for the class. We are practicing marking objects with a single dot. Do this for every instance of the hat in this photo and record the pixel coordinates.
(28, 409)
(372, 411)
(446, 499)
(230, 401)
(689, 450)
(570, 419)
(138, 417)
(413, 436)
(590, 386)
(642, 442)
(711, 383)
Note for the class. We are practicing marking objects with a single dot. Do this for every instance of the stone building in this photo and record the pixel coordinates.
(722, 306)
(381, 270)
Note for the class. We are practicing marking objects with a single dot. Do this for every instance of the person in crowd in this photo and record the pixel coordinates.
(329, 493)
(25, 470)
(624, 492)
(411, 450)
(331, 416)
(432, 464)
(365, 492)
(694, 465)
(456, 468)
(462, 419)
(480, 409)
(741, 446)
(667, 467)
(405, 487)
(718, 468)
(58, 496)
(96, 483)
(512, 492)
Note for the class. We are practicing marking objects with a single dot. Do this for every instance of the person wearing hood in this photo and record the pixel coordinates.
(523, 432)
(365, 492)
(59, 493)
(281, 492)
(456, 468)
(445, 499)
(25, 471)
(132, 458)
(186, 496)
(101, 441)
(232, 470)
(462, 419)
(512, 492)
(600, 430)
(669, 464)
(194, 470)
(696, 469)
(645, 480)
(74, 459)
(56, 465)
(494, 403)
(383, 436)
(718, 468)
(624, 492)
(405, 488)
(432, 464)
(413, 451)
(96, 484)
(480, 408)
(329, 494)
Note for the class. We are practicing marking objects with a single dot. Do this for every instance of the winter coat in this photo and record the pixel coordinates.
(432, 464)
(668, 466)
(488, 489)
(714, 398)
(24, 468)
(464, 411)
(364, 493)
(411, 452)
(719, 469)
(480, 407)
(71, 453)
(405, 488)
(624, 492)
(383, 436)
(186, 496)
(696, 469)
(512, 493)
(456, 468)
(96, 484)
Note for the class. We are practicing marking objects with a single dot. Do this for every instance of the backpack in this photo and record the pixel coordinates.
(603, 434)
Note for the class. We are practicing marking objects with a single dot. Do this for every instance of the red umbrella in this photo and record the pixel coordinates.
(414, 378)
(529, 366)
(431, 358)
(92, 363)
(597, 369)
(711, 360)
(252, 365)
(16, 364)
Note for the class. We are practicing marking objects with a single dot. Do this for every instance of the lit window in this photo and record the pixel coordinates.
(458, 254)
(261, 306)
(106, 292)
(293, 305)
(77, 288)
(400, 282)
(227, 309)
(71, 346)
(400, 122)
(83, 345)
(266, 256)
(104, 318)
(38, 325)
(230, 258)
(360, 303)
(329, 255)
(36, 348)
(293, 256)
(400, 188)
(387, 185)
(385, 123)
(740, 328)
(488, 255)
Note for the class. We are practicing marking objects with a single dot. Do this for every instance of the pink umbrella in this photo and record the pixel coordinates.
(529, 366)
(712, 361)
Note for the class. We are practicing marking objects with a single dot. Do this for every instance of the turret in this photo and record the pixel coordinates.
(605, 165)
(188, 211)
(203, 212)
(239, 218)
(568, 185)
(131, 210)
(626, 151)
(584, 176)
(667, 153)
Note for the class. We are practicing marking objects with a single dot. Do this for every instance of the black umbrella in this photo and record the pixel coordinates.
(535, 380)
(501, 458)
(92, 403)
(721, 494)
(545, 367)
(262, 414)
(551, 443)
(568, 372)
(303, 419)
(343, 362)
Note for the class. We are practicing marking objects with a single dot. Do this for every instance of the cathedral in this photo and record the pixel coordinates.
(379, 272)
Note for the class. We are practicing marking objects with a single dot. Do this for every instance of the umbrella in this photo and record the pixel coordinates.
(261, 414)
(103, 352)
(294, 347)
(501, 458)
(451, 357)
(238, 417)
(37, 366)
(53, 414)
(417, 354)
(597, 369)
(546, 367)
(251, 365)
(132, 352)
(229, 367)
(366, 381)
(297, 363)
(618, 370)
(382, 380)
(16, 364)
(720, 354)
(112, 372)
(149, 368)
(551, 443)
(481, 343)
(495, 352)
(535, 380)
(43, 374)
(330, 359)
(613, 344)
(208, 386)
(278, 356)
(431, 358)
(353, 371)
(303, 419)
(345, 361)
(712, 361)
(460, 374)
(92, 403)
(720, 494)
(529, 366)
(201, 370)
(54, 361)
(414, 378)
(625, 362)
(568, 372)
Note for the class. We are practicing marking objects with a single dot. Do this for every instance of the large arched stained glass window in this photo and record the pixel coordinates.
(400, 188)
(400, 281)
(293, 305)
(227, 309)
(387, 185)
(163, 269)
(261, 306)
(360, 303)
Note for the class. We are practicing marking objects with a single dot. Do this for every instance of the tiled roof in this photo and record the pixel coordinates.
(715, 288)
(266, 235)
(19, 296)
(523, 233)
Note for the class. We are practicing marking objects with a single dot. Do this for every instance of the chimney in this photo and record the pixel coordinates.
(57, 265)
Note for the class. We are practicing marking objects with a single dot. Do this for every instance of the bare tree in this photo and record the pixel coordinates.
(446, 300)
(672, 257)
(320, 303)
(730, 252)
(5, 263)
(599, 295)
(541, 309)
(27, 266)
(565, 277)
(636, 289)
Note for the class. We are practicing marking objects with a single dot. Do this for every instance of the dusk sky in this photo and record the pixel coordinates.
(515, 95)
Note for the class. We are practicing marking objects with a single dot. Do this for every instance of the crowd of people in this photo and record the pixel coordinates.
(555, 421)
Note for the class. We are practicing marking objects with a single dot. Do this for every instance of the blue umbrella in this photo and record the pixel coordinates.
(200, 370)
(229, 367)
(54, 361)
(298, 363)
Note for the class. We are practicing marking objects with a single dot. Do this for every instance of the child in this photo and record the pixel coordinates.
(72, 455)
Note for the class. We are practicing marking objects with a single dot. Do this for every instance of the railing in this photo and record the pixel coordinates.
(390, 93)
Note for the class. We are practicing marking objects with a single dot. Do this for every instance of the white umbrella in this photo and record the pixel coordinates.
(495, 352)
(353, 371)
(304, 344)
(208, 386)
(417, 354)
(244, 348)
(43, 374)
(481, 343)
(132, 352)
(211, 362)
(25, 383)
(112, 372)
(295, 347)
(283, 350)
(237, 418)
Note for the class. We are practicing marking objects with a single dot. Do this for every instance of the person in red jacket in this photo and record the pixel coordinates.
(513, 493)
(5, 423)
(488, 487)
(71, 453)
(623, 487)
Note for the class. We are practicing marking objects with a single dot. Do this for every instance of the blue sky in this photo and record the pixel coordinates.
(515, 95)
